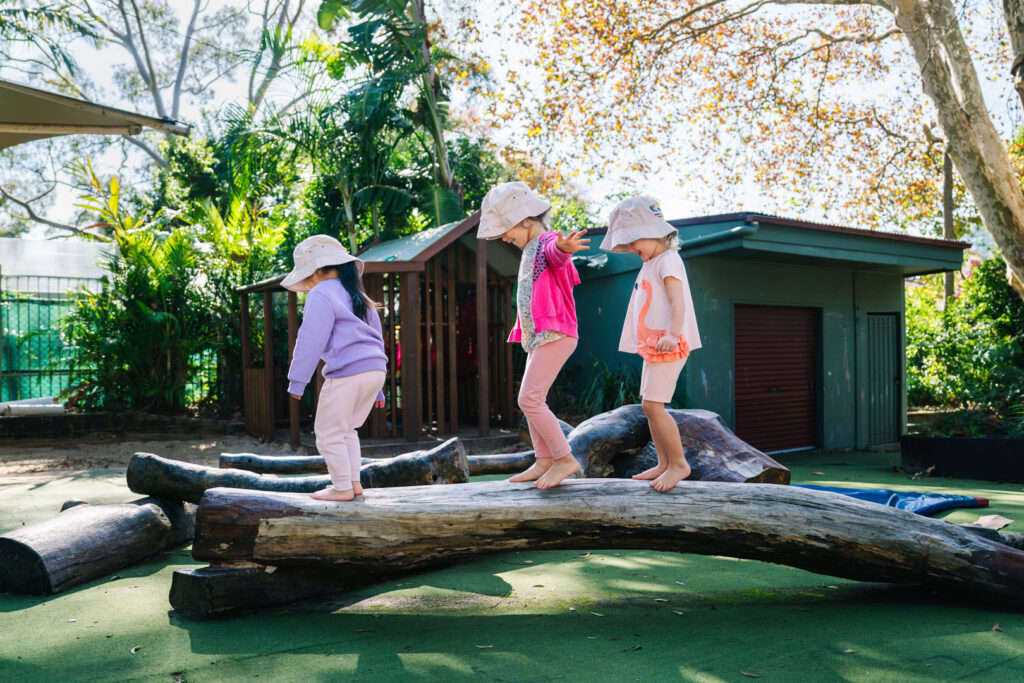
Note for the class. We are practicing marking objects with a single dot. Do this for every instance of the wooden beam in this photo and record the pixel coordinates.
(439, 349)
(428, 345)
(293, 333)
(481, 350)
(409, 308)
(268, 363)
(392, 343)
(453, 365)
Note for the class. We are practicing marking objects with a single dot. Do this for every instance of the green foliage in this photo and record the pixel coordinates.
(969, 355)
(608, 389)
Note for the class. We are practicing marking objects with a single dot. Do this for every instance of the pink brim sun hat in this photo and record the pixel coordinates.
(505, 206)
(633, 219)
(314, 253)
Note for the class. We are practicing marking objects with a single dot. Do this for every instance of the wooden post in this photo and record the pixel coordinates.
(410, 311)
(392, 352)
(453, 365)
(439, 341)
(510, 419)
(268, 362)
(482, 352)
(428, 345)
(293, 333)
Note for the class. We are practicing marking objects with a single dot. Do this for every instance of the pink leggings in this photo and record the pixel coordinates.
(542, 366)
(344, 404)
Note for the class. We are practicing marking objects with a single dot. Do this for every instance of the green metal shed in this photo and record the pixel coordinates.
(802, 325)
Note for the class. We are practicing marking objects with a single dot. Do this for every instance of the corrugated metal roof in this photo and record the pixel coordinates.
(409, 247)
(504, 261)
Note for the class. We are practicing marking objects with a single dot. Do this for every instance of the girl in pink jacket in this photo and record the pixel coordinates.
(546, 323)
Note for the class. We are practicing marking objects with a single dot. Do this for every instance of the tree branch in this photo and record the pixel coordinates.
(148, 150)
(36, 218)
(183, 61)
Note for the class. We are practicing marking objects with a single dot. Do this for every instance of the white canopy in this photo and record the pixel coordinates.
(32, 114)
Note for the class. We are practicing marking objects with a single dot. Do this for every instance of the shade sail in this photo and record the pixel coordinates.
(31, 114)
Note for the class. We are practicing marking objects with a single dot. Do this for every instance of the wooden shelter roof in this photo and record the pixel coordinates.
(28, 114)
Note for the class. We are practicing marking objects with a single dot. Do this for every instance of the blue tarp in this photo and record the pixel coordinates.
(911, 501)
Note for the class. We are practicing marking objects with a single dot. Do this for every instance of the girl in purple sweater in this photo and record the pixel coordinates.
(546, 323)
(340, 325)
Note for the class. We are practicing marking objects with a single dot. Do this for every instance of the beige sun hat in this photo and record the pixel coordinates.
(633, 219)
(312, 254)
(505, 206)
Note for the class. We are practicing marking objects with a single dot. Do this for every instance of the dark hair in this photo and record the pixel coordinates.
(352, 281)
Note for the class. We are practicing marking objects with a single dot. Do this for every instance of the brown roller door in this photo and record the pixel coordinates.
(775, 389)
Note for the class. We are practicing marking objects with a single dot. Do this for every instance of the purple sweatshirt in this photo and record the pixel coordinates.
(330, 330)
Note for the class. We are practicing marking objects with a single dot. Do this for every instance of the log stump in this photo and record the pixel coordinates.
(501, 463)
(408, 529)
(85, 542)
(618, 444)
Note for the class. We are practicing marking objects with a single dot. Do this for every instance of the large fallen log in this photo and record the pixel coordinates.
(524, 430)
(176, 480)
(502, 463)
(406, 529)
(85, 542)
(618, 444)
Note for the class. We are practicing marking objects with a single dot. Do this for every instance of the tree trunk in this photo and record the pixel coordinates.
(85, 542)
(982, 161)
(407, 529)
(175, 480)
(503, 463)
(613, 444)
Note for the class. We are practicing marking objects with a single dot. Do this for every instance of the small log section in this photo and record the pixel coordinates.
(613, 444)
(176, 480)
(85, 542)
(407, 529)
(502, 463)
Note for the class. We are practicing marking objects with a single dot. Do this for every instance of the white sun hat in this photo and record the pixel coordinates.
(633, 219)
(505, 206)
(312, 254)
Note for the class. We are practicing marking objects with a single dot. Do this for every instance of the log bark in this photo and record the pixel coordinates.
(175, 480)
(618, 444)
(524, 430)
(85, 542)
(501, 463)
(406, 529)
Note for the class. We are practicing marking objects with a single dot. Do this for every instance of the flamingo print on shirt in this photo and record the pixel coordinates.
(647, 339)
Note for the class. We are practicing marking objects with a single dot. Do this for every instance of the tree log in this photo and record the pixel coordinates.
(85, 542)
(614, 443)
(405, 529)
(502, 463)
(524, 430)
(176, 480)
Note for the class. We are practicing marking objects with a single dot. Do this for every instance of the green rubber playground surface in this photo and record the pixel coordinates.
(527, 616)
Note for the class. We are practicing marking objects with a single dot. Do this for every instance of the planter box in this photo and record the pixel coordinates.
(989, 458)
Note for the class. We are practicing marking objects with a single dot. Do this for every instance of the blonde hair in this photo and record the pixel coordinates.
(671, 241)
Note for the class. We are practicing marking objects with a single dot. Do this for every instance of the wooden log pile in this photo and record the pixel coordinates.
(85, 542)
(176, 480)
(297, 547)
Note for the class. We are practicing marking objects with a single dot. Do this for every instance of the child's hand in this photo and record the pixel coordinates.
(297, 398)
(572, 243)
(667, 343)
(378, 404)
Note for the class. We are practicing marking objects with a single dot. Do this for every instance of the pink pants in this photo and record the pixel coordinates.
(542, 366)
(345, 403)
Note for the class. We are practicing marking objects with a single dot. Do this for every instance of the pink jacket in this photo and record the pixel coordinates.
(552, 305)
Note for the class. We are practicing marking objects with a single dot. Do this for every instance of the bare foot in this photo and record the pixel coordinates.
(535, 471)
(652, 473)
(357, 489)
(331, 493)
(559, 470)
(670, 477)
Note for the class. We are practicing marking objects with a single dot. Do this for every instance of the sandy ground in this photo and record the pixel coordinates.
(71, 457)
